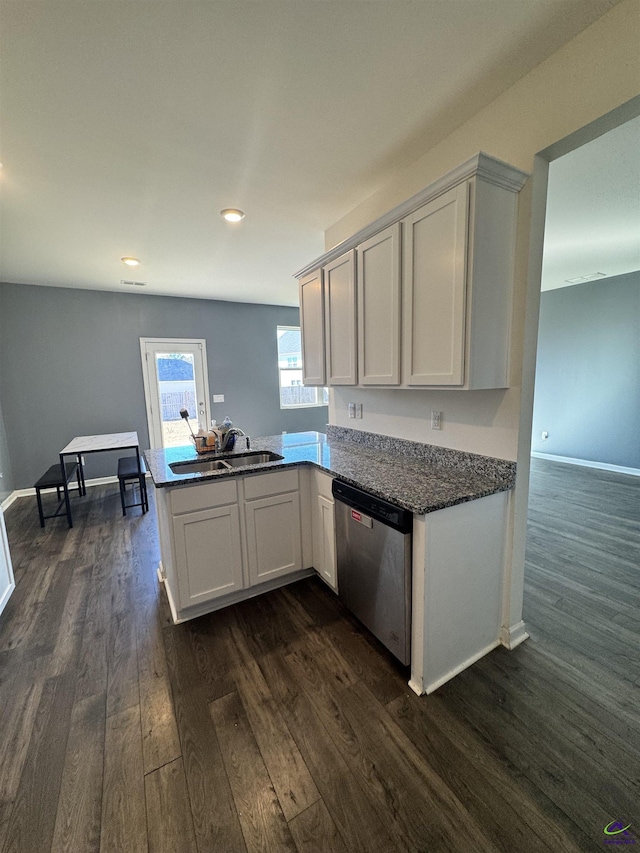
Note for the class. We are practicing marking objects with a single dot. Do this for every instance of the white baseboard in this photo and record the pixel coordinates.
(512, 636)
(6, 503)
(586, 463)
(26, 493)
(438, 682)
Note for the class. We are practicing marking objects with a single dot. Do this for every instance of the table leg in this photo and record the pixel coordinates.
(67, 502)
(81, 483)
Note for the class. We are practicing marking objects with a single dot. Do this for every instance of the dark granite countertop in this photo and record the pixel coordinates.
(418, 477)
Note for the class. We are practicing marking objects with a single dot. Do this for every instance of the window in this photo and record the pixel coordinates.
(293, 394)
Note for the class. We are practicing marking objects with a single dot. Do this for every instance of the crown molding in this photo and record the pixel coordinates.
(481, 165)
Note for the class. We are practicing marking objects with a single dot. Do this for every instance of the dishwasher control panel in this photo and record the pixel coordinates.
(375, 507)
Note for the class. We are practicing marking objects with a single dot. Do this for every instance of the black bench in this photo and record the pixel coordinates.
(131, 470)
(54, 479)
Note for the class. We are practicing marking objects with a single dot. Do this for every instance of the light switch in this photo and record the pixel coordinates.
(218, 398)
(352, 410)
(358, 410)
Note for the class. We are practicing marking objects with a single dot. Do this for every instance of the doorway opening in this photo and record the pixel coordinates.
(175, 378)
(584, 493)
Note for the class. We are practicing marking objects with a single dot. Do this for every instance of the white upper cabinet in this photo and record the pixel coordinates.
(379, 308)
(312, 329)
(434, 280)
(340, 320)
(444, 319)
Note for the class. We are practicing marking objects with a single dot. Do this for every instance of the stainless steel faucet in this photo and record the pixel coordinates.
(229, 438)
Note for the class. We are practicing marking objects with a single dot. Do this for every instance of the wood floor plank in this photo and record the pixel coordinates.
(215, 819)
(160, 741)
(124, 823)
(79, 808)
(315, 832)
(418, 806)
(122, 683)
(207, 639)
(93, 659)
(32, 821)
(357, 820)
(168, 811)
(43, 637)
(532, 755)
(20, 615)
(22, 694)
(385, 677)
(511, 816)
(290, 775)
(69, 638)
(263, 824)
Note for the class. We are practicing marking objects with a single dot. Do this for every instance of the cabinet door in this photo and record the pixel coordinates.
(208, 554)
(7, 583)
(340, 320)
(312, 329)
(324, 542)
(434, 283)
(274, 546)
(379, 308)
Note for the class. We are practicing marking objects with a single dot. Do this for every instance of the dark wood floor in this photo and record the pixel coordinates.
(280, 725)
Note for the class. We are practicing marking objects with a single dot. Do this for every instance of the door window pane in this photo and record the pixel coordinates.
(176, 390)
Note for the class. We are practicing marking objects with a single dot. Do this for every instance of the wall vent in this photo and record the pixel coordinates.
(134, 283)
(581, 278)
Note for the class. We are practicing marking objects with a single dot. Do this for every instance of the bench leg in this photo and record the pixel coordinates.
(144, 498)
(122, 494)
(40, 512)
(67, 503)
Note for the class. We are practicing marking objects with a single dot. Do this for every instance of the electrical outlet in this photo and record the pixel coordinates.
(436, 420)
(352, 410)
(218, 398)
(358, 410)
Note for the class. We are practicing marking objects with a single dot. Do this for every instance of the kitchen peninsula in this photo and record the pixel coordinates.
(233, 533)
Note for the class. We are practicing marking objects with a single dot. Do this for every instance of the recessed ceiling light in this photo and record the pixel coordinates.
(232, 214)
(131, 262)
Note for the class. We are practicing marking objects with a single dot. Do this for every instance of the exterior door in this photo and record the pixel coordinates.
(175, 378)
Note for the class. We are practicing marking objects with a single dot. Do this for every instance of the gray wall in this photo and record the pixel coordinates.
(588, 372)
(71, 366)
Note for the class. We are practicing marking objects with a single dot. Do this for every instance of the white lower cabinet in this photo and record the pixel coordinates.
(326, 545)
(221, 538)
(274, 546)
(208, 553)
(323, 528)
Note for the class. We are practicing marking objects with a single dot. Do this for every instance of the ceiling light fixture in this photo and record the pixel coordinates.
(232, 214)
(131, 262)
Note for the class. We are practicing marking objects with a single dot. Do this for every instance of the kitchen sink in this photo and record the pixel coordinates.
(202, 466)
(238, 460)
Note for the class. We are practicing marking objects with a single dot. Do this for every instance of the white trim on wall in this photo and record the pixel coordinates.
(26, 493)
(604, 466)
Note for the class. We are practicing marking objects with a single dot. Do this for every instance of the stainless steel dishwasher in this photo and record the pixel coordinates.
(373, 547)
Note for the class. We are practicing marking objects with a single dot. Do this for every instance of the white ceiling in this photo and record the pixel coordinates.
(126, 126)
(593, 210)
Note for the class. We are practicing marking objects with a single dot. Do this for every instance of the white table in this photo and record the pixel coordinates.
(84, 444)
